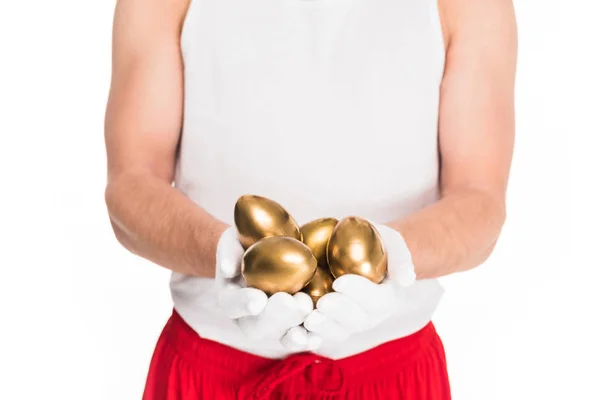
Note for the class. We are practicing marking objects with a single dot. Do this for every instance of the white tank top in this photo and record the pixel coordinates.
(329, 107)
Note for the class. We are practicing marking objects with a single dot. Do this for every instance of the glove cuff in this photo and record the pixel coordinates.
(401, 269)
(228, 236)
(229, 253)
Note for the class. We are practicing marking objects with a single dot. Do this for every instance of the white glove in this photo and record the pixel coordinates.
(357, 304)
(259, 316)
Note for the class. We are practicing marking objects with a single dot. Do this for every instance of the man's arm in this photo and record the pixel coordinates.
(476, 131)
(143, 122)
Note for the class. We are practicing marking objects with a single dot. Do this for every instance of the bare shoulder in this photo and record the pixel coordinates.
(155, 15)
(478, 20)
(481, 40)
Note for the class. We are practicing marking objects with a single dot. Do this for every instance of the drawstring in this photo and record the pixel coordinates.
(264, 384)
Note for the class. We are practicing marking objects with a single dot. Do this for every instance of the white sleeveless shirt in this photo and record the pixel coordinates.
(329, 107)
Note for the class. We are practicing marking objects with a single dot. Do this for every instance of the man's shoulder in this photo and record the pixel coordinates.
(471, 15)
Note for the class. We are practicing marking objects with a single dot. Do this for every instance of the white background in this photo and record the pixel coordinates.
(80, 315)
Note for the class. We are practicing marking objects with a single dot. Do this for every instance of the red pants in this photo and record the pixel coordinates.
(186, 366)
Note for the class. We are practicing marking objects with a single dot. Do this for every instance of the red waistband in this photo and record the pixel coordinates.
(262, 375)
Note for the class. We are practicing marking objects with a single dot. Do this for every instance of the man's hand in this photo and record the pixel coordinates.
(279, 316)
(357, 304)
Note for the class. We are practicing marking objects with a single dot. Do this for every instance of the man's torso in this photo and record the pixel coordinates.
(329, 107)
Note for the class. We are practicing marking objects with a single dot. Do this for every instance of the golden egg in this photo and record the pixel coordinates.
(356, 247)
(257, 217)
(319, 285)
(278, 264)
(316, 234)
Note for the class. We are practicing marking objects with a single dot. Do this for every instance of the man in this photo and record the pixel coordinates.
(396, 111)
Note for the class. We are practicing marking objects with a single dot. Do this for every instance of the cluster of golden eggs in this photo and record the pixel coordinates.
(281, 256)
